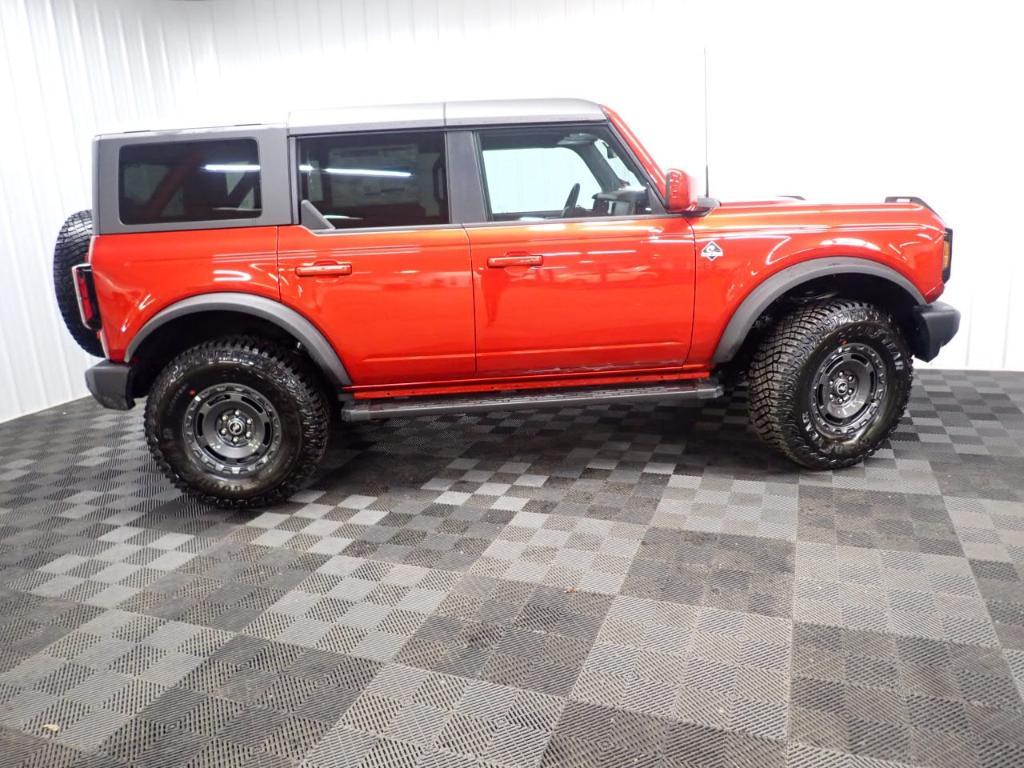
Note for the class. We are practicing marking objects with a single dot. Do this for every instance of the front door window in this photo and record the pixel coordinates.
(535, 174)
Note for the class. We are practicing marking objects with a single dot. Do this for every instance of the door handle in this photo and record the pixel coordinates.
(516, 260)
(324, 269)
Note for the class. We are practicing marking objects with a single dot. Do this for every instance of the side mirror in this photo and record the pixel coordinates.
(680, 191)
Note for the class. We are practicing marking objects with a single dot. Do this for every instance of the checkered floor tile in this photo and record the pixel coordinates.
(641, 585)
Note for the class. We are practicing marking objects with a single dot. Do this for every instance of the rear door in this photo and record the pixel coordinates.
(386, 275)
(575, 266)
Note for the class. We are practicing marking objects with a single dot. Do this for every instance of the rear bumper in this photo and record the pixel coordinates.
(110, 384)
(934, 325)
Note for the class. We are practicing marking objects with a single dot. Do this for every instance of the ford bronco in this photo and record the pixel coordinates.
(259, 283)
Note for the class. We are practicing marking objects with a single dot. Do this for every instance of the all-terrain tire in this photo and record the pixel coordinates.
(285, 381)
(72, 249)
(785, 382)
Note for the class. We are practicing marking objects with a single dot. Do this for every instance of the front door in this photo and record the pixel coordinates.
(575, 270)
(385, 275)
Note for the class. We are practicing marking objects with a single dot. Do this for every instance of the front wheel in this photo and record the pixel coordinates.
(238, 422)
(829, 384)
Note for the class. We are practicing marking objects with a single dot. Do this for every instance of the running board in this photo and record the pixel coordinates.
(407, 407)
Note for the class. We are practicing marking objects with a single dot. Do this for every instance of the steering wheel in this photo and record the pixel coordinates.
(570, 201)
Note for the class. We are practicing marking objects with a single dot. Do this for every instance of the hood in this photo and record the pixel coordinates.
(793, 211)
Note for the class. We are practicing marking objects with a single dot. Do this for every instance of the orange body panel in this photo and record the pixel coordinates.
(403, 313)
(609, 294)
(422, 308)
(759, 239)
(137, 275)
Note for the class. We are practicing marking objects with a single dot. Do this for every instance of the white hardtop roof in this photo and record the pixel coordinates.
(442, 114)
(429, 115)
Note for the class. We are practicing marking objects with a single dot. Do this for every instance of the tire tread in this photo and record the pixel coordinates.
(290, 369)
(72, 248)
(778, 363)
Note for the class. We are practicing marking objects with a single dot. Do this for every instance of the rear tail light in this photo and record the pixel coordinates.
(947, 255)
(85, 290)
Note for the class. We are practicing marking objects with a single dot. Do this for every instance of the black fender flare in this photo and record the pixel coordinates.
(759, 299)
(285, 318)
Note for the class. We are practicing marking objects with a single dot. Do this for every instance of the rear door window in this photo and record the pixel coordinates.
(375, 180)
(186, 181)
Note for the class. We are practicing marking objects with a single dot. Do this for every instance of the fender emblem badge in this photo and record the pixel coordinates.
(712, 251)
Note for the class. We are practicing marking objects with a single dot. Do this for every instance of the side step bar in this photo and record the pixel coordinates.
(407, 407)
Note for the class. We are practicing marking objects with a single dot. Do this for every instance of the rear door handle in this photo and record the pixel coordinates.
(516, 260)
(324, 269)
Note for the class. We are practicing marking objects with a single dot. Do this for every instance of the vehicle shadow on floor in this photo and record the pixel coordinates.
(694, 438)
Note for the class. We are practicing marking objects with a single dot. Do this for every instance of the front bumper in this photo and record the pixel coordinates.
(110, 384)
(934, 325)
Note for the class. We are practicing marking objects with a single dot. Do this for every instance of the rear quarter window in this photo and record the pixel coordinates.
(187, 181)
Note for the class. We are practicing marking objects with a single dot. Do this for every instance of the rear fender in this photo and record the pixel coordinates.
(285, 318)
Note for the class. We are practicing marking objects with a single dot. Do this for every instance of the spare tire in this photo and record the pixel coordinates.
(73, 248)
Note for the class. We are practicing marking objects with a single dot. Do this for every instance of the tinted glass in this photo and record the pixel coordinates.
(535, 179)
(558, 172)
(375, 180)
(189, 181)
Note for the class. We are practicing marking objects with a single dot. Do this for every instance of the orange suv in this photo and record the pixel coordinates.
(261, 282)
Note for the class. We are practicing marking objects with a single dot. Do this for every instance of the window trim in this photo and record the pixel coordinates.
(467, 201)
(354, 231)
(271, 147)
(278, 157)
(295, 182)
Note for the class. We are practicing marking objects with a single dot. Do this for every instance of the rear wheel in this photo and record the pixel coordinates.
(829, 383)
(239, 422)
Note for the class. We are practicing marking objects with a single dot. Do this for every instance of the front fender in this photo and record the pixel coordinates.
(762, 297)
(760, 249)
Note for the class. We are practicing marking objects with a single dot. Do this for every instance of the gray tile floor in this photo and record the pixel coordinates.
(606, 586)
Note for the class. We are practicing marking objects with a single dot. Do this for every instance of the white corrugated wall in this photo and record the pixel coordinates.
(828, 100)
